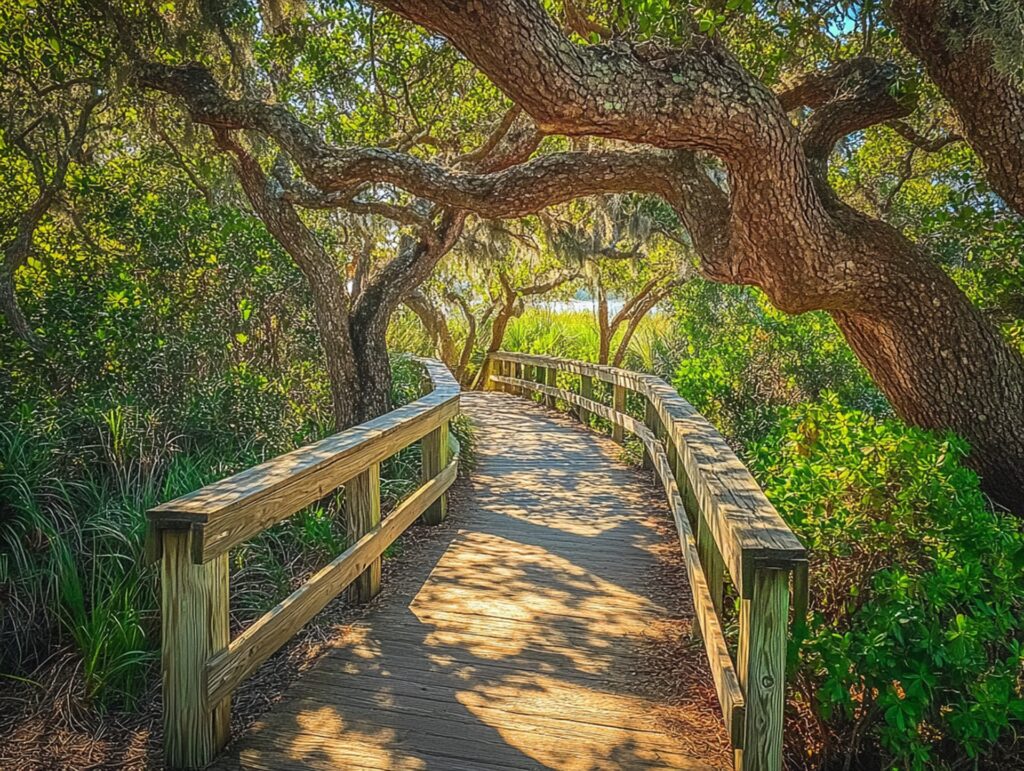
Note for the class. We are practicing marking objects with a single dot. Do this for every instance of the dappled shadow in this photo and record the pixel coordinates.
(517, 644)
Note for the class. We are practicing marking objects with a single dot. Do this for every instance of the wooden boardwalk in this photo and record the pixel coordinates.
(517, 646)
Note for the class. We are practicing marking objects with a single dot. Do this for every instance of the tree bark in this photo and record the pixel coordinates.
(989, 104)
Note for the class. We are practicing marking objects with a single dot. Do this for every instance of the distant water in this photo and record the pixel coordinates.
(576, 306)
(583, 306)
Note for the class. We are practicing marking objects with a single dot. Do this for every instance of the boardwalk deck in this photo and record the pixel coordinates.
(517, 647)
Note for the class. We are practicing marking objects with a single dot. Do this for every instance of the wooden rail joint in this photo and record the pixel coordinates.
(727, 529)
(191, 536)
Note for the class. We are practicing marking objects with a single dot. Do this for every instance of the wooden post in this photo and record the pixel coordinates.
(761, 665)
(710, 561)
(539, 376)
(653, 423)
(587, 392)
(436, 452)
(619, 405)
(552, 380)
(194, 609)
(489, 366)
(362, 512)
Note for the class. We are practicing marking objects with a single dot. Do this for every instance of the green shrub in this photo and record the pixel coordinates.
(914, 649)
(744, 361)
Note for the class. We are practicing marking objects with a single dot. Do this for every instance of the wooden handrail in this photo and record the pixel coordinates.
(725, 524)
(201, 665)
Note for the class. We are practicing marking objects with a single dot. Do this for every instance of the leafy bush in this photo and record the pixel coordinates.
(914, 649)
(75, 483)
(744, 361)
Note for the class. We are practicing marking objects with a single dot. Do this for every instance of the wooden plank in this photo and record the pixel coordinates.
(273, 629)
(746, 527)
(727, 685)
(551, 378)
(619, 405)
(194, 608)
(587, 392)
(362, 513)
(229, 512)
(761, 660)
(434, 457)
(521, 645)
(654, 426)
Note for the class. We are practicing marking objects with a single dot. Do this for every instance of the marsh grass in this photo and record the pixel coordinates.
(74, 488)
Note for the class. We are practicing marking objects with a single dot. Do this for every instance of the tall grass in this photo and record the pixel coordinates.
(574, 335)
(74, 488)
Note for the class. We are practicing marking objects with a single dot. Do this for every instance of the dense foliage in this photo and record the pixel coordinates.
(915, 645)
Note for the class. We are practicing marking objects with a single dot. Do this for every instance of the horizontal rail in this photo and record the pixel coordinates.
(724, 523)
(746, 527)
(201, 665)
(268, 633)
(229, 512)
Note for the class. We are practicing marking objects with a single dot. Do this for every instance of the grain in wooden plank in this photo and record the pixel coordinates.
(273, 629)
(517, 650)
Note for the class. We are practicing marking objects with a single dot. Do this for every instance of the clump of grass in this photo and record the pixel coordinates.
(74, 488)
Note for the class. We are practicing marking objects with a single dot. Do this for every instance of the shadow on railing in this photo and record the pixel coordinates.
(725, 525)
(191, 536)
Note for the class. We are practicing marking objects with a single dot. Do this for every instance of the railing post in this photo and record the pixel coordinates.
(653, 423)
(435, 451)
(551, 380)
(619, 405)
(761, 661)
(194, 610)
(490, 366)
(362, 513)
(587, 392)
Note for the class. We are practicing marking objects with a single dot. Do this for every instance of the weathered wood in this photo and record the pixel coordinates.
(276, 627)
(654, 425)
(362, 513)
(711, 561)
(761, 552)
(194, 609)
(250, 503)
(552, 380)
(619, 405)
(727, 685)
(435, 453)
(587, 392)
(747, 528)
(761, 661)
(516, 645)
(233, 510)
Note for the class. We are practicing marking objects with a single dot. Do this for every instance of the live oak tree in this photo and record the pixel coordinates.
(974, 52)
(628, 251)
(776, 224)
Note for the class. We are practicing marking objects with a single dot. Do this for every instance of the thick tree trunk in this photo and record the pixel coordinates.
(943, 366)
(988, 102)
(372, 365)
(939, 361)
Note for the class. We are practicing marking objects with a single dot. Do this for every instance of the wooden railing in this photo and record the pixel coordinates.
(727, 529)
(191, 536)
